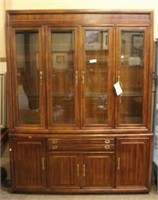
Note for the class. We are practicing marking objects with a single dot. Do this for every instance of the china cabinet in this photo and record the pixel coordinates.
(80, 100)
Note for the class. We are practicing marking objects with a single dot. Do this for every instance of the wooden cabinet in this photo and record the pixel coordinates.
(28, 156)
(80, 100)
(99, 170)
(63, 170)
(84, 168)
(132, 163)
(69, 171)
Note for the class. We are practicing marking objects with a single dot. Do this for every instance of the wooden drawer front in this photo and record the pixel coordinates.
(80, 144)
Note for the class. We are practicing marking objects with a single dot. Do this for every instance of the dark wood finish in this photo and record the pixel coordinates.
(80, 170)
(86, 139)
(30, 167)
(133, 157)
(105, 144)
(63, 170)
(98, 170)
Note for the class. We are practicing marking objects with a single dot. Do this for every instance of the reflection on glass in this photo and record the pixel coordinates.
(96, 76)
(27, 77)
(131, 76)
(156, 113)
(63, 77)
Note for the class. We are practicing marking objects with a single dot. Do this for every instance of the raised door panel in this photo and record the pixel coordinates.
(63, 170)
(98, 170)
(28, 163)
(132, 163)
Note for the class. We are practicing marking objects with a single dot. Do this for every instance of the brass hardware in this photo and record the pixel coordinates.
(78, 169)
(119, 80)
(76, 76)
(10, 149)
(107, 141)
(54, 141)
(82, 76)
(107, 146)
(54, 146)
(43, 163)
(84, 170)
(118, 76)
(118, 163)
(41, 76)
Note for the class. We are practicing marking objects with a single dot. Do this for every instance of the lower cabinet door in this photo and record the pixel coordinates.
(132, 163)
(98, 170)
(80, 171)
(63, 170)
(28, 164)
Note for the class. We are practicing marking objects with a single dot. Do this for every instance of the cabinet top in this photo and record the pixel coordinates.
(87, 17)
(81, 11)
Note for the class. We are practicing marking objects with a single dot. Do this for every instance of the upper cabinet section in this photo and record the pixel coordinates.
(80, 69)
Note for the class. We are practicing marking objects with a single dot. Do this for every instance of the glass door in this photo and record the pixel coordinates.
(29, 107)
(63, 78)
(132, 77)
(96, 77)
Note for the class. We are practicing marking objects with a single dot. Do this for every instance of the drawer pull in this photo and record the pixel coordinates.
(118, 163)
(84, 170)
(43, 163)
(107, 146)
(107, 141)
(78, 169)
(54, 141)
(54, 146)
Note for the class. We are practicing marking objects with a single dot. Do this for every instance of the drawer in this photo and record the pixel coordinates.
(80, 144)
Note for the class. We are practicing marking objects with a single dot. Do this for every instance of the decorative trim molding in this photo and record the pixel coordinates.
(3, 59)
(3, 67)
(2, 100)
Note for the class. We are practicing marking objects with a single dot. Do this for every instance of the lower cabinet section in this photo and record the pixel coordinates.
(81, 170)
(115, 165)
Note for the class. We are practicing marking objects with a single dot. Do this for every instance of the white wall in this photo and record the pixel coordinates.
(2, 25)
(82, 4)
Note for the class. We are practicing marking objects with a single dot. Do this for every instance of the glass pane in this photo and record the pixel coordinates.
(96, 77)
(63, 77)
(27, 77)
(131, 76)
